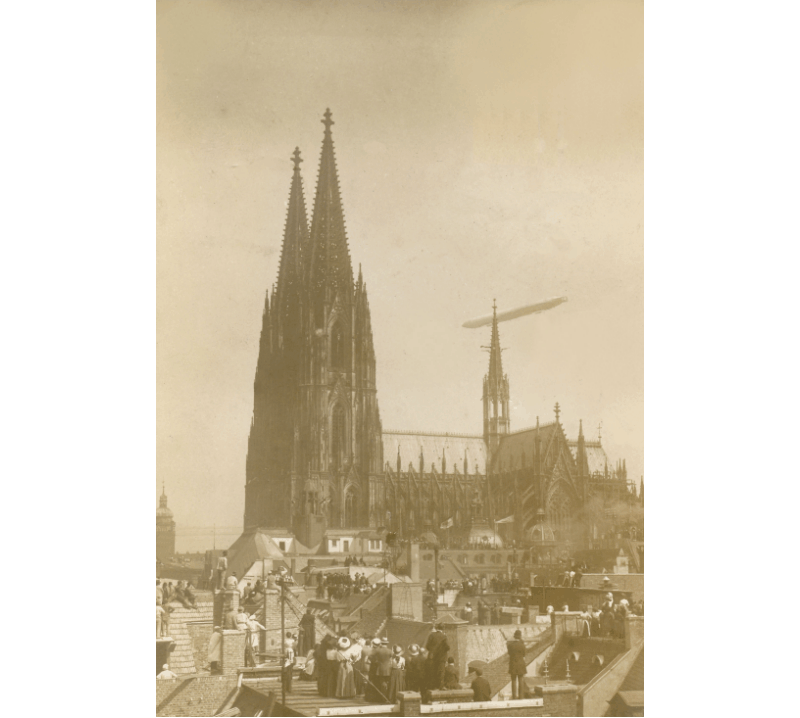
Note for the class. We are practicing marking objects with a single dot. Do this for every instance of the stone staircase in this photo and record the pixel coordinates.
(587, 657)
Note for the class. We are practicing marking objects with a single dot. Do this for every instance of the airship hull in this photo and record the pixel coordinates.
(514, 313)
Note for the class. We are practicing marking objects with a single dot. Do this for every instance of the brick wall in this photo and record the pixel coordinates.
(232, 652)
(200, 636)
(194, 695)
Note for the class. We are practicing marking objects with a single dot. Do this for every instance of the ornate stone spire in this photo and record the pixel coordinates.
(330, 269)
(580, 457)
(295, 245)
(495, 352)
(496, 419)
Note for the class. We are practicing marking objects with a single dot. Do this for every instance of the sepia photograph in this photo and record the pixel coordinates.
(400, 358)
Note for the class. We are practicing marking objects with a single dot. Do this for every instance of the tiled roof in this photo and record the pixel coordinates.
(454, 446)
(519, 445)
(250, 547)
(595, 456)
(182, 658)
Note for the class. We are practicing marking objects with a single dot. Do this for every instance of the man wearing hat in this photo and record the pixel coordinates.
(371, 690)
(382, 658)
(438, 648)
(516, 664)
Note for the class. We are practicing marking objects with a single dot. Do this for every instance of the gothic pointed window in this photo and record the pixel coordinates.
(338, 438)
(559, 511)
(350, 511)
(339, 353)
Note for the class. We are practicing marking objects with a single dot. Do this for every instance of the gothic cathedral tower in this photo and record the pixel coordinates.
(496, 420)
(315, 452)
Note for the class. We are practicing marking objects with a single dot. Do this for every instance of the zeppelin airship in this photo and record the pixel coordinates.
(514, 313)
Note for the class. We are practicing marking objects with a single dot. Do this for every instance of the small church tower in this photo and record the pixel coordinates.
(165, 530)
(496, 419)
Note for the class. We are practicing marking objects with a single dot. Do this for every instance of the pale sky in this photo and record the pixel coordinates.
(485, 149)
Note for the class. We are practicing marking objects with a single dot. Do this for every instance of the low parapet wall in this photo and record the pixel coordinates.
(553, 700)
(633, 583)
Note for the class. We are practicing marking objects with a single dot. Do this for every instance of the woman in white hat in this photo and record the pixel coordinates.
(397, 678)
(345, 681)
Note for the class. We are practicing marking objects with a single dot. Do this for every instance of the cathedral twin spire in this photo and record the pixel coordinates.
(317, 259)
(315, 374)
(330, 267)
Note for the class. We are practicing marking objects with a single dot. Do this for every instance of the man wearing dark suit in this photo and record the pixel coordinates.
(480, 687)
(438, 648)
(516, 664)
(382, 659)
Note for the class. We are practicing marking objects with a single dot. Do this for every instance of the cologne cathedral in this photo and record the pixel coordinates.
(318, 457)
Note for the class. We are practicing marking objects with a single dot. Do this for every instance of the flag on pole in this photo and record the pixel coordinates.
(506, 520)
(447, 524)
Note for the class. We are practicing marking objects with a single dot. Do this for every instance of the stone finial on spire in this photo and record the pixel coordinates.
(557, 410)
(327, 121)
(296, 158)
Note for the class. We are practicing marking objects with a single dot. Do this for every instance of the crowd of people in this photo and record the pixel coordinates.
(609, 620)
(166, 592)
(346, 666)
(338, 586)
(354, 561)
(477, 585)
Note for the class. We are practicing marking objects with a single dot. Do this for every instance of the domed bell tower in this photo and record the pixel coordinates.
(165, 530)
